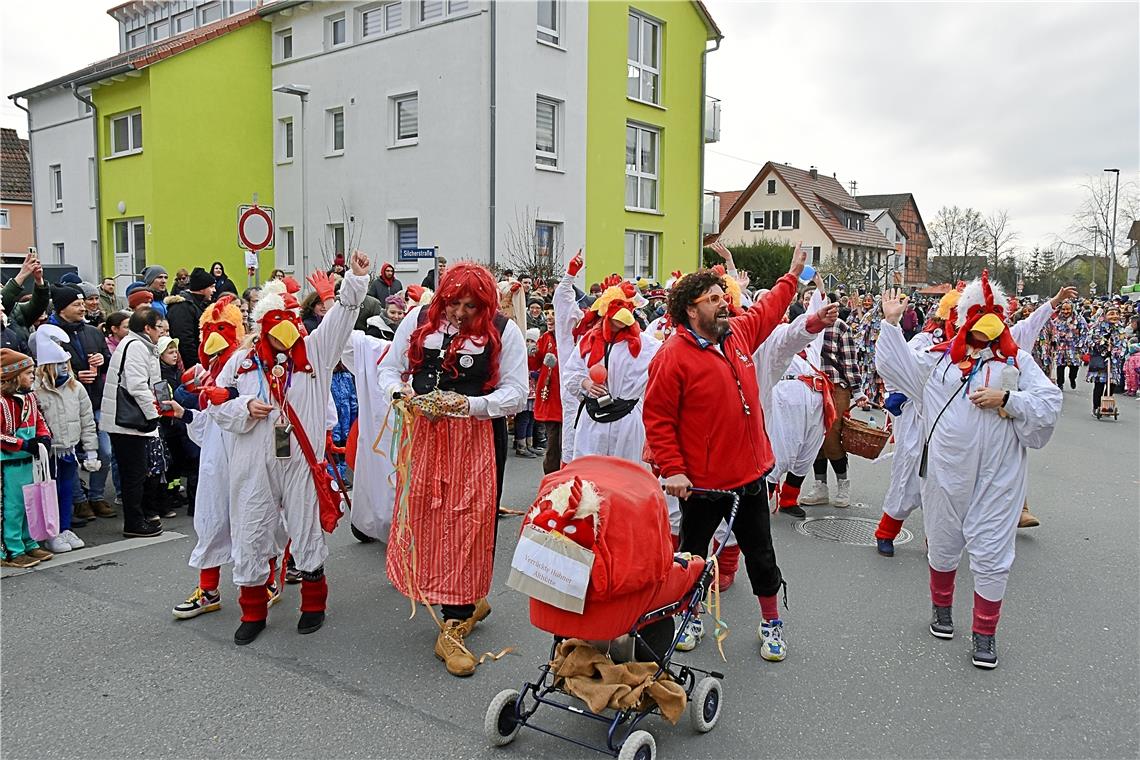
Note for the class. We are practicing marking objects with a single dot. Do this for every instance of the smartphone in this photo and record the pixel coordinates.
(281, 442)
(163, 395)
(33, 252)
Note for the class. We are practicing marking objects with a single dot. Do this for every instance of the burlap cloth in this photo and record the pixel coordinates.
(591, 676)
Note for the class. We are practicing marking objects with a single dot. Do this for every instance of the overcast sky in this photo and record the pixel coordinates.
(972, 104)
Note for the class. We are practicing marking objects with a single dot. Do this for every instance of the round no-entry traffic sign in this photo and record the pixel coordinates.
(255, 227)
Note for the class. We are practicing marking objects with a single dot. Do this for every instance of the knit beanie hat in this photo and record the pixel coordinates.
(71, 278)
(64, 295)
(533, 334)
(153, 271)
(138, 297)
(88, 290)
(200, 279)
(12, 363)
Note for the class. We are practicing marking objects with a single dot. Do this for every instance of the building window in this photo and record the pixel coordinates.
(381, 19)
(334, 126)
(135, 39)
(546, 133)
(336, 240)
(285, 44)
(286, 139)
(84, 107)
(786, 220)
(640, 254)
(545, 243)
(641, 167)
(286, 256)
(548, 21)
(55, 185)
(335, 31)
(407, 235)
(126, 134)
(456, 6)
(771, 187)
(816, 255)
(208, 14)
(644, 69)
(406, 119)
(159, 31)
(5, 219)
(430, 10)
(130, 243)
(184, 22)
(57, 253)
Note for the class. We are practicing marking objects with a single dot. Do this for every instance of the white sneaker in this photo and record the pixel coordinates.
(75, 541)
(772, 646)
(58, 545)
(816, 495)
(843, 494)
(691, 635)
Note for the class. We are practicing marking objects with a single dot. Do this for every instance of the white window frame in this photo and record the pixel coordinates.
(385, 27)
(330, 31)
(281, 38)
(136, 38)
(159, 28)
(131, 226)
(134, 142)
(55, 186)
(204, 10)
(396, 225)
(286, 253)
(331, 235)
(286, 145)
(5, 219)
(58, 251)
(546, 34)
(636, 171)
(544, 159)
(635, 59)
(555, 237)
(397, 101)
(330, 132)
(176, 22)
(640, 238)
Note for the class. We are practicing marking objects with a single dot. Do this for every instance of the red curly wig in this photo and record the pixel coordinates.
(463, 280)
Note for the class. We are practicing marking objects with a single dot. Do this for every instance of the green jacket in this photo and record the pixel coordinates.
(21, 316)
(369, 307)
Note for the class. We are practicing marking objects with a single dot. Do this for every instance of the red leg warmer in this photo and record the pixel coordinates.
(789, 496)
(942, 587)
(314, 594)
(986, 614)
(769, 607)
(889, 527)
(208, 578)
(254, 603)
(730, 560)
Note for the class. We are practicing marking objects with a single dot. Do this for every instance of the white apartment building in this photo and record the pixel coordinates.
(894, 270)
(427, 123)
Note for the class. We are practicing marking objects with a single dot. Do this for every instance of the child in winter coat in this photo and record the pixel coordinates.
(22, 429)
(67, 410)
(180, 454)
(1132, 370)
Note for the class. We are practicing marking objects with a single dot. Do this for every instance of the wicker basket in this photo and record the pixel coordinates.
(864, 440)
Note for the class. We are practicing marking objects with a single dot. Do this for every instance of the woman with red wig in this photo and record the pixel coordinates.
(462, 364)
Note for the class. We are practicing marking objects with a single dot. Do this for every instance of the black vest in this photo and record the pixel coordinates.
(472, 370)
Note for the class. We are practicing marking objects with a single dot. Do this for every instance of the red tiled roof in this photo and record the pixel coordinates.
(822, 197)
(15, 168)
(727, 199)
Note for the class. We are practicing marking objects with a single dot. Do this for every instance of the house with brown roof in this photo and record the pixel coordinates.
(787, 204)
(904, 209)
(17, 225)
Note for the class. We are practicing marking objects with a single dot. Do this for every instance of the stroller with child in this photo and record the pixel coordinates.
(614, 652)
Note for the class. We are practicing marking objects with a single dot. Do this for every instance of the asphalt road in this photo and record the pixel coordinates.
(94, 666)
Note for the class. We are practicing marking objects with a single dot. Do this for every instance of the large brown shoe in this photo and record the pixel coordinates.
(482, 610)
(449, 647)
(43, 555)
(103, 509)
(22, 561)
(1027, 520)
(82, 510)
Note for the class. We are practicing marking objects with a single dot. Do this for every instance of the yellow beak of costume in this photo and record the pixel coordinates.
(286, 333)
(215, 344)
(625, 316)
(990, 325)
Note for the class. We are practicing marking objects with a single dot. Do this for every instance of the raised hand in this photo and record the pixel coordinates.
(893, 307)
(323, 284)
(799, 259)
(829, 314)
(1064, 294)
(576, 264)
(360, 262)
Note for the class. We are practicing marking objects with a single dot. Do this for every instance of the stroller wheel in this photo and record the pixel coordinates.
(638, 746)
(360, 536)
(501, 724)
(705, 704)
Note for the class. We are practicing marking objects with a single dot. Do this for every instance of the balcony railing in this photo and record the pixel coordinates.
(710, 214)
(712, 119)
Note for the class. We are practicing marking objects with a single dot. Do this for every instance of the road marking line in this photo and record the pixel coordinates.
(102, 550)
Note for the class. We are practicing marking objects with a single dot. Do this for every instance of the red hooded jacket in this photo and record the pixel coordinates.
(702, 407)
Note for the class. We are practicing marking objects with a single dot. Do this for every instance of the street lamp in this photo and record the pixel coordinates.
(302, 92)
(1112, 233)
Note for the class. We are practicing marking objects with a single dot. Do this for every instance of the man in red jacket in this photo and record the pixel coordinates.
(704, 427)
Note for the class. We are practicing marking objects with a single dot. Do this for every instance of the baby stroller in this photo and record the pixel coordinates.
(636, 587)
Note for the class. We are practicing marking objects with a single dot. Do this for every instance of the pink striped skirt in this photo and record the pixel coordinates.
(444, 552)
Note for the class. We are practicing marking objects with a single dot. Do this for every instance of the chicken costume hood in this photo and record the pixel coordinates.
(616, 302)
(981, 308)
(222, 331)
(276, 316)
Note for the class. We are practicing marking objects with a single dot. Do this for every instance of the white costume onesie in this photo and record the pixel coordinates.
(263, 484)
(373, 489)
(567, 314)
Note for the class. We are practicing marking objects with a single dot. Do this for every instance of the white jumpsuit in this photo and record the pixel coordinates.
(977, 464)
(263, 485)
(374, 476)
(566, 315)
(212, 502)
(904, 494)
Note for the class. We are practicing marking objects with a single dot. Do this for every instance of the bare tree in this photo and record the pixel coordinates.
(999, 237)
(530, 253)
(1091, 228)
(959, 244)
(353, 231)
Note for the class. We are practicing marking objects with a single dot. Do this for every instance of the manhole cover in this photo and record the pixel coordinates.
(855, 531)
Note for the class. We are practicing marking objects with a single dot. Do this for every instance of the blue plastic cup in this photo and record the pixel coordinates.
(808, 274)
